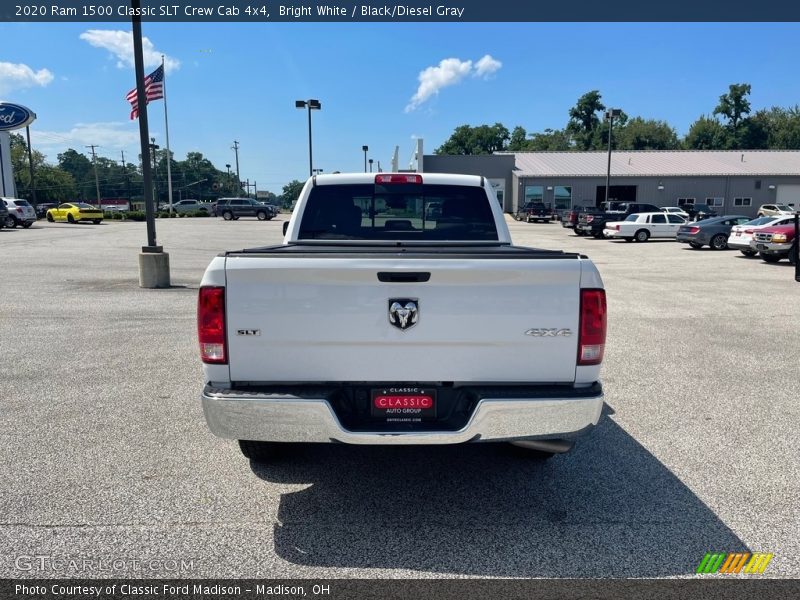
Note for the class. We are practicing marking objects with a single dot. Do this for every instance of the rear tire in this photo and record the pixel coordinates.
(260, 452)
(227, 215)
(719, 242)
(96, 221)
(11, 222)
(642, 235)
(70, 219)
(598, 236)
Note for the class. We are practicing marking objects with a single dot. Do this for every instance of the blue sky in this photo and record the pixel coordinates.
(239, 81)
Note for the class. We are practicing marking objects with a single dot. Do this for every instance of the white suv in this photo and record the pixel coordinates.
(19, 213)
(769, 210)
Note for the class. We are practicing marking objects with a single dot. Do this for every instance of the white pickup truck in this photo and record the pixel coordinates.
(378, 321)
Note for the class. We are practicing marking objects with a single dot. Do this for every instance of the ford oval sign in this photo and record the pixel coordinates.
(14, 116)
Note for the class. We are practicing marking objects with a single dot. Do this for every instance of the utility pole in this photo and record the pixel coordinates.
(30, 167)
(255, 189)
(235, 148)
(96, 180)
(153, 148)
(127, 179)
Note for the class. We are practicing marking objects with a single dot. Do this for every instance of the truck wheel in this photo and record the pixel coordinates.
(262, 216)
(748, 253)
(642, 235)
(770, 258)
(259, 452)
(227, 215)
(719, 242)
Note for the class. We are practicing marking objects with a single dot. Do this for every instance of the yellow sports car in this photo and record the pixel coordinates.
(74, 212)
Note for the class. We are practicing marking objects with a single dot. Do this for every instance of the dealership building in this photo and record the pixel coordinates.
(732, 181)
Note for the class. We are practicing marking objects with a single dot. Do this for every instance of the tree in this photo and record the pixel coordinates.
(291, 192)
(519, 140)
(706, 134)
(646, 134)
(483, 139)
(734, 105)
(583, 119)
(81, 170)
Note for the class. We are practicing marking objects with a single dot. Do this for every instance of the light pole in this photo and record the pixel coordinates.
(610, 114)
(370, 165)
(365, 149)
(311, 104)
(229, 173)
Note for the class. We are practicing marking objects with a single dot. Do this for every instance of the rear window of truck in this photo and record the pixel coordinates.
(424, 212)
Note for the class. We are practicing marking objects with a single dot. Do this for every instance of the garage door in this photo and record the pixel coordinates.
(788, 194)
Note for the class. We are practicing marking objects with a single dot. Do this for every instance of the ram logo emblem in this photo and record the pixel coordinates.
(545, 332)
(403, 312)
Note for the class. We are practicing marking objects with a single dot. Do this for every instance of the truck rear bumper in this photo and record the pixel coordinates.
(254, 416)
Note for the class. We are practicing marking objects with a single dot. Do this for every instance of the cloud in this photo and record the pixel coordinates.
(120, 44)
(487, 66)
(114, 135)
(17, 76)
(450, 71)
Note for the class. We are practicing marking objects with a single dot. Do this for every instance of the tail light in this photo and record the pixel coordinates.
(211, 324)
(592, 327)
(589, 219)
(398, 178)
(694, 230)
(616, 227)
(19, 210)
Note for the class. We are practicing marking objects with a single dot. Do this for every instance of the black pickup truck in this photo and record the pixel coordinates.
(593, 222)
(535, 211)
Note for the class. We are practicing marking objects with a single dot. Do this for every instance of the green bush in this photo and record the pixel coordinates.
(198, 213)
(135, 216)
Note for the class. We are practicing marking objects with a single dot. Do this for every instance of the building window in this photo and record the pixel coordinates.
(758, 184)
(742, 201)
(563, 197)
(534, 193)
(715, 201)
(682, 201)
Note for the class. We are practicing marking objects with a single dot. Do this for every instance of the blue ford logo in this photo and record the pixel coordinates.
(14, 116)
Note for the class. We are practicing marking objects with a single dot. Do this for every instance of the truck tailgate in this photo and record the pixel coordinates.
(327, 319)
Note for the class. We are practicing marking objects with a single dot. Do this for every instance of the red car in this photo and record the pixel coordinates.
(775, 243)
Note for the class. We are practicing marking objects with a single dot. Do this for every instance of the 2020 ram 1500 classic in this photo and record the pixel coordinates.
(375, 323)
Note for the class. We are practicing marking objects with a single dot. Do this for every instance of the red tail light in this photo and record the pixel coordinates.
(398, 178)
(616, 227)
(211, 324)
(592, 328)
(19, 210)
(694, 230)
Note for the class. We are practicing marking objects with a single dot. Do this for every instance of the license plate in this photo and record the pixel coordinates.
(761, 246)
(737, 234)
(404, 404)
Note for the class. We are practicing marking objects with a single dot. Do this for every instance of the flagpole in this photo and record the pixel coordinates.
(166, 128)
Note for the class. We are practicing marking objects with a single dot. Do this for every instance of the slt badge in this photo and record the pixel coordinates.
(403, 312)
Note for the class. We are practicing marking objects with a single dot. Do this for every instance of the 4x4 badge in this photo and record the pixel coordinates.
(403, 312)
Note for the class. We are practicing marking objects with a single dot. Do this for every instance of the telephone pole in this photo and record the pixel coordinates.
(96, 180)
(127, 179)
(153, 148)
(235, 148)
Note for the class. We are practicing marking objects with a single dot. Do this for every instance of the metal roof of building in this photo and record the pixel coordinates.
(658, 163)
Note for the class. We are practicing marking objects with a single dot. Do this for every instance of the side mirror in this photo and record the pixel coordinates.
(285, 227)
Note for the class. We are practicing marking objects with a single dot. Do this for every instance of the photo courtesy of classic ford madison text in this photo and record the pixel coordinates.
(319, 303)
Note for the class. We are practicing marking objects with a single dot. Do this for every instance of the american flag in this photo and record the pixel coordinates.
(153, 90)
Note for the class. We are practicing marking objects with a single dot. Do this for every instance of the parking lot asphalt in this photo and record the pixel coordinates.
(105, 454)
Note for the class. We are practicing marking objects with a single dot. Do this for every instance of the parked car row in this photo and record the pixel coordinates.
(770, 237)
